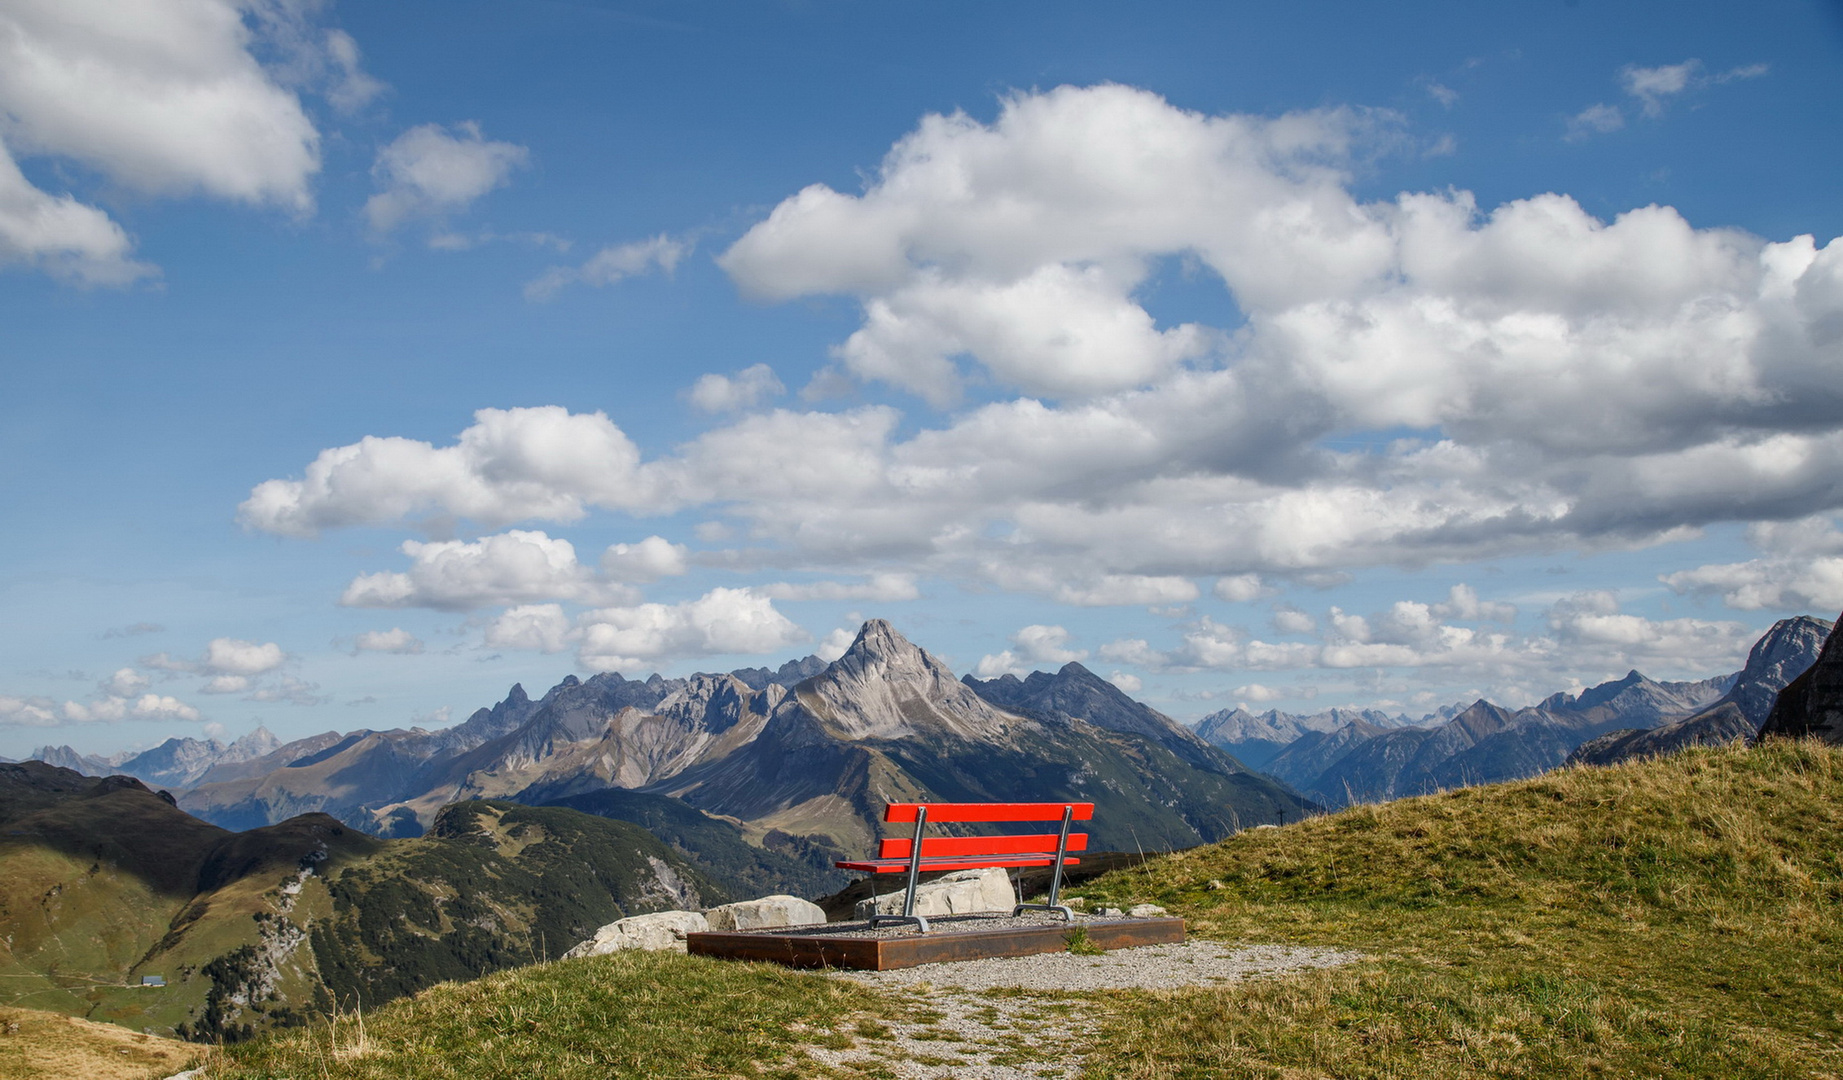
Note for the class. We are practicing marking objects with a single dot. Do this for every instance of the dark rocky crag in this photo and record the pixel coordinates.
(1811, 706)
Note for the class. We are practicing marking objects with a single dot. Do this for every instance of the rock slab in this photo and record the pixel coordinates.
(767, 913)
(963, 892)
(658, 931)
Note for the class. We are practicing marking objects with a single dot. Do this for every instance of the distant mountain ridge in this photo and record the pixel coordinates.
(810, 750)
(1782, 655)
(1362, 762)
(177, 762)
(1255, 738)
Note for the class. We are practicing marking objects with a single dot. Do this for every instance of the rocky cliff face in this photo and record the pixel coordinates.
(1811, 706)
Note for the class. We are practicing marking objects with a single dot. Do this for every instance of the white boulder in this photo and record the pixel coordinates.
(768, 913)
(1146, 911)
(962, 892)
(660, 930)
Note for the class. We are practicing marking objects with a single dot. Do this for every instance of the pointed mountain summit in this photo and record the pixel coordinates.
(885, 687)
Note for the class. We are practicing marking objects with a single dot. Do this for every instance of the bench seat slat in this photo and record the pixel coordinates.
(898, 847)
(943, 812)
(897, 866)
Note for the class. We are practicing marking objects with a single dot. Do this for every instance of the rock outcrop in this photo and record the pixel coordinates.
(963, 892)
(767, 913)
(656, 932)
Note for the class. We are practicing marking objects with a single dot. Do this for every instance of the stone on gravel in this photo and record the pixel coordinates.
(963, 892)
(1146, 911)
(767, 913)
(660, 930)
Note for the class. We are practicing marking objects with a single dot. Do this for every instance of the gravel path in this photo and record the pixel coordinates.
(979, 1036)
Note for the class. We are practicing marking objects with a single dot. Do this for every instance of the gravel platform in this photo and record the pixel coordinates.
(977, 1036)
(1149, 967)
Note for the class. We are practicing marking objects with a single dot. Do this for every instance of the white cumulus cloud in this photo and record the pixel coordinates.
(225, 656)
(633, 637)
(613, 264)
(103, 708)
(1418, 380)
(878, 588)
(721, 622)
(395, 640)
(734, 393)
(430, 172)
(1800, 570)
(514, 567)
(168, 99)
(648, 560)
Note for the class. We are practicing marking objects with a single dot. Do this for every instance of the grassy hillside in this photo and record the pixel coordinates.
(38, 1045)
(1670, 917)
(102, 882)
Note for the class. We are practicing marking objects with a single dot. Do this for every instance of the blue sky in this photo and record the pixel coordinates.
(1291, 355)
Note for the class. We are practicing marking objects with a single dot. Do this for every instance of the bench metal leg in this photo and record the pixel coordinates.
(908, 895)
(1055, 880)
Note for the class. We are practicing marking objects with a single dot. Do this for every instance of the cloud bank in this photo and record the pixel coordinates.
(1410, 380)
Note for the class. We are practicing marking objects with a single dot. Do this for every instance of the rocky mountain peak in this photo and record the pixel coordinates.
(254, 745)
(1075, 692)
(1785, 652)
(886, 687)
(1811, 706)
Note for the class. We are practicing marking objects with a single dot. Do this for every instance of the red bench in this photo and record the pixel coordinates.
(912, 855)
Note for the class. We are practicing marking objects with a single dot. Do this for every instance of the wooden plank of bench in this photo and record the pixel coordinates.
(869, 866)
(943, 812)
(899, 847)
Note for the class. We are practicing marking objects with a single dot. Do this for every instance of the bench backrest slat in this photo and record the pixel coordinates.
(900, 812)
(898, 847)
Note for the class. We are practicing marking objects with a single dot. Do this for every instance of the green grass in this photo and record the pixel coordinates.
(1668, 918)
(1674, 917)
(624, 1015)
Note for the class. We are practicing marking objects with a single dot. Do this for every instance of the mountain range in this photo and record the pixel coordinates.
(803, 756)
(1338, 759)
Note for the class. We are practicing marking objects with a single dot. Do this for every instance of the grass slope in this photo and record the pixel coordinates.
(1657, 917)
(103, 882)
(1668, 917)
(38, 1045)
